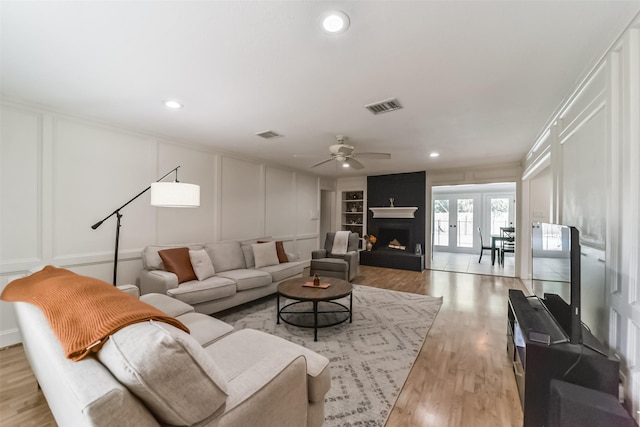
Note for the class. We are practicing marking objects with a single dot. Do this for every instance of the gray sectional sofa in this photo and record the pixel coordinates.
(236, 280)
(151, 374)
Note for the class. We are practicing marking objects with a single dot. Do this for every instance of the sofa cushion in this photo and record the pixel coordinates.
(168, 370)
(152, 261)
(249, 260)
(283, 271)
(237, 351)
(247, 279)
(166, 304)
(201, 264)
(225, 256)
(205, 329)
(195, 291)
(177, 261)
(265, 254)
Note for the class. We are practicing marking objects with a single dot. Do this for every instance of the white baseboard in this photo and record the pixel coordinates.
(10, 337)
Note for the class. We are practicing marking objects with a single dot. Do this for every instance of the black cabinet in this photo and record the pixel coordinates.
(539, 351)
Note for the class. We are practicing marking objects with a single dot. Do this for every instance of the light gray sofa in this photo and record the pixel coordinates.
(236, 279)
(153, 374)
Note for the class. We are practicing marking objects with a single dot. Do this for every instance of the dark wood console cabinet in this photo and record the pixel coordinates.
(536, 363)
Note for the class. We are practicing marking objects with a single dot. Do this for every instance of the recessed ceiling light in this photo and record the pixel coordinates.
(174, 105)
(335, 22)
(434, 154)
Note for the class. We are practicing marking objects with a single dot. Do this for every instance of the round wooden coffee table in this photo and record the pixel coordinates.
(294, 289)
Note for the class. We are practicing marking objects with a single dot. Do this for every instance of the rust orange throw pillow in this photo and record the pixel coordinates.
(178, 262)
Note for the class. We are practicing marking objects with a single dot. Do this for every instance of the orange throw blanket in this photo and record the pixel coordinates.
(82, 311)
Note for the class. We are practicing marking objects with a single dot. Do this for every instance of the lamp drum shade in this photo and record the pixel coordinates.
(175, 195)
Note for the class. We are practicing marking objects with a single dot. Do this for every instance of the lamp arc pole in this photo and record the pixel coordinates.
(119, 217)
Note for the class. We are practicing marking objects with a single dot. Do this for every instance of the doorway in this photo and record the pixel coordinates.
(327, 218)
(458, 213)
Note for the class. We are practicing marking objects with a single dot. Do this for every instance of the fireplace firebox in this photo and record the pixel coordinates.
(394, 239)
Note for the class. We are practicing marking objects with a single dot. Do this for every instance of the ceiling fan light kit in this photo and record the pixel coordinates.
(344, 153)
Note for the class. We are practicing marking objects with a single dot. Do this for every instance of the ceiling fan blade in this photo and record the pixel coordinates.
(353, 163)
(322, 162)
(344, 149)
(306, 156)
(373, 155)
(341, 149)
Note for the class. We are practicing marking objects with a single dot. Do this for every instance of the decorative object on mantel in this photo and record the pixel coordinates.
(371, 240)
(394, 212)
(391, 199)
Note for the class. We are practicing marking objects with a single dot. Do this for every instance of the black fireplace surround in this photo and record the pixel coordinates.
(407, 190)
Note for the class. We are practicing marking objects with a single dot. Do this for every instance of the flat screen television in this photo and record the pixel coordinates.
(556, 274)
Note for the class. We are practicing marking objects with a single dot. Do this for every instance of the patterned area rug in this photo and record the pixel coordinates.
(370, 358)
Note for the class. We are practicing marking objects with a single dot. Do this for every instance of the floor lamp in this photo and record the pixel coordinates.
(163, 194)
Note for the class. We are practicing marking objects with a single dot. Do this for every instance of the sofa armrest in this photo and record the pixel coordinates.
(266, 390)
(130, 289)
(319, 253)
(353, 260)
(157, 281)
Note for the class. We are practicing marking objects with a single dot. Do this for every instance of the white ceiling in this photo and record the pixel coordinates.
(478, 79)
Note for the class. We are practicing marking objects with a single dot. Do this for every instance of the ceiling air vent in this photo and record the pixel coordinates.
(268, 134)
(385, 106)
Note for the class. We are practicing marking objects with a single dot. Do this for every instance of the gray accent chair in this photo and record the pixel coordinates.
(345, 267)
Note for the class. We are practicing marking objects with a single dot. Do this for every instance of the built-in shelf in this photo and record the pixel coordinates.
(353, 211)
(395, 212)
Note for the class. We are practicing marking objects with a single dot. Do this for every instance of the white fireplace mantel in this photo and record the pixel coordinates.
(395, 212)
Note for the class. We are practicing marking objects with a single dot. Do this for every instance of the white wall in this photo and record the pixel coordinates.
(592, 148)
(60, 174)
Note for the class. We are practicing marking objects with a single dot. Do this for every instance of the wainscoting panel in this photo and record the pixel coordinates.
(241, 199)
(95, 171)
(307, 206)
(280, 198)
(20, 157)
(9, 333)
(304, 246)
(584, 177)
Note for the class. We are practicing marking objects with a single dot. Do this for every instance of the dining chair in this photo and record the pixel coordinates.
(509, 245)
(482, 246)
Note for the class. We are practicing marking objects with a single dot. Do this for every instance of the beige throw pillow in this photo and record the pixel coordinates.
(201, 264)
(265, 254)
(168, 370)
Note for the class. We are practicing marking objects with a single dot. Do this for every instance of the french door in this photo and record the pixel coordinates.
(454, 221)
(500, 210)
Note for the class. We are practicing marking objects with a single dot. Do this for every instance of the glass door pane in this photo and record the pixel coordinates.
(465, 223)
(499, 213)
(441, 222)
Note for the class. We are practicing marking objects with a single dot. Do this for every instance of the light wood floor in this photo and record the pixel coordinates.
(462, 376)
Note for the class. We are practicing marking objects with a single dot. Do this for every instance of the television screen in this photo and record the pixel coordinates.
(556, 274)
(551, 250)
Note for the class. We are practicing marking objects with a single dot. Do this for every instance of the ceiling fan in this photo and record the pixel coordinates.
(344, 154)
